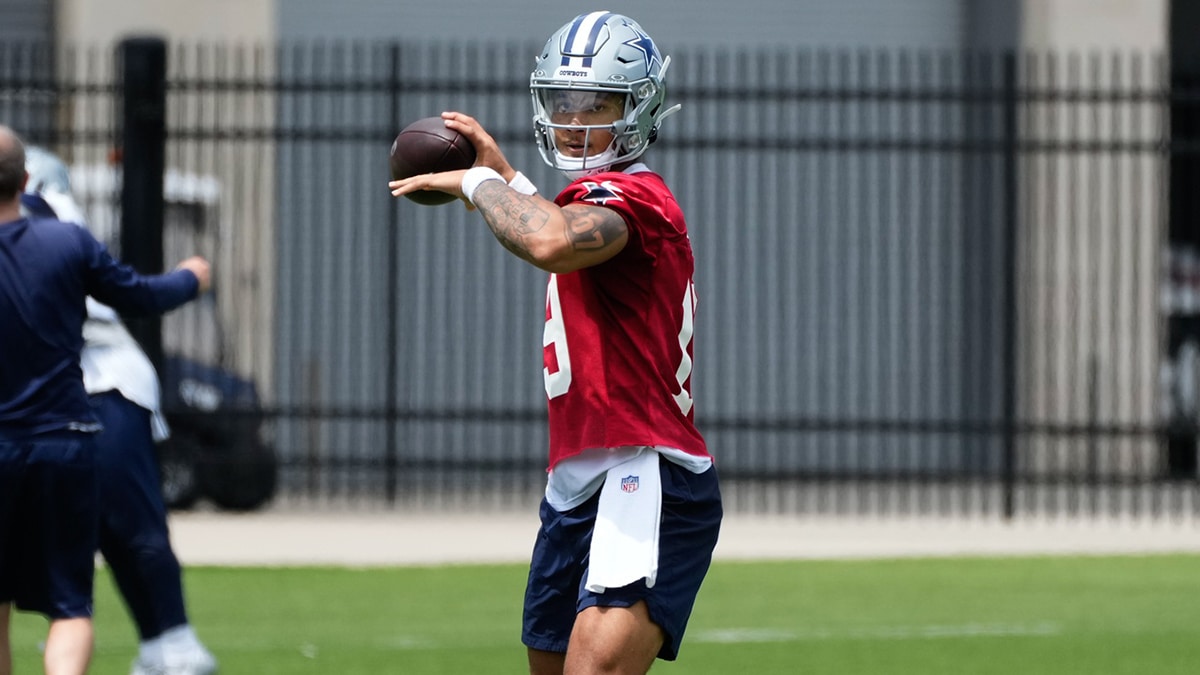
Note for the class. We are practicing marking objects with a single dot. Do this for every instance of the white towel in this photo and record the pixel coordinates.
(625, 539)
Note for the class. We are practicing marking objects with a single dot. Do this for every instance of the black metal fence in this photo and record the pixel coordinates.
(928, 282)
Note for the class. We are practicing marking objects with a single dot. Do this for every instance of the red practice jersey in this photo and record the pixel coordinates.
(618, 337)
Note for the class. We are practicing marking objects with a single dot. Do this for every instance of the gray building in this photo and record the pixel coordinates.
(932, 24)
(26, 19)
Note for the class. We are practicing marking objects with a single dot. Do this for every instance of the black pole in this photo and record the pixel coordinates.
(1010, 208)
(392, 458)
(1183, 235)
(143, 162)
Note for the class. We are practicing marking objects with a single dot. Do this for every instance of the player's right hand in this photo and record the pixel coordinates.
(487, 151)
(199, 267)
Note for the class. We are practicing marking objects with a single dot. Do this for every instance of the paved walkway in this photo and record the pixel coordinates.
(290, 537)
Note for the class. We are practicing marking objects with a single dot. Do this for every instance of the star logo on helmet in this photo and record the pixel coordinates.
(645, 45)
(601, 193)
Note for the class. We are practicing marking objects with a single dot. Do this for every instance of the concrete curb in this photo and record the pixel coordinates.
(405, 538)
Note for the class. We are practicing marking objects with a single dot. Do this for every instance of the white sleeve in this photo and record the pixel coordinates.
(65, 207)
(101, 312)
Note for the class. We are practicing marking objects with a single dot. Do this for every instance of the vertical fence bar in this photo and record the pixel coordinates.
(1009, 209)
(392, 415)
(1183, 238)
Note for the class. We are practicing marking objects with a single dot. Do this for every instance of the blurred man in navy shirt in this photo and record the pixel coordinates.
(48, 490)
(125, 395)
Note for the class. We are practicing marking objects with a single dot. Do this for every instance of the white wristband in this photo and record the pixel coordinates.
(476, 175)
(522, 184)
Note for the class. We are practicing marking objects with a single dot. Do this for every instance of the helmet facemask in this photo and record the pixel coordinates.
(570, 124)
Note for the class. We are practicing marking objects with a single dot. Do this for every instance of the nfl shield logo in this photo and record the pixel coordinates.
(629, 484)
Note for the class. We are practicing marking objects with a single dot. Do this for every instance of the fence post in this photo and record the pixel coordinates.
(392, 458)
(1183, 235)
(1010, 209)
(143, 160)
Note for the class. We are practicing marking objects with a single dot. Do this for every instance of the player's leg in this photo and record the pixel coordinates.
(134, 539)
(5, 645)
(61, 539)
(614, 640)
(10, 485)
(68, 646)
(624, 629)
(546, 663)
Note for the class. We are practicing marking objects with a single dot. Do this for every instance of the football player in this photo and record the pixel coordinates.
(48, 485)
(632, 507)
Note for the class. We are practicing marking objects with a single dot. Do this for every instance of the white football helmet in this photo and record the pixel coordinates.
(49, 178)
(47, 173)
(600, 53)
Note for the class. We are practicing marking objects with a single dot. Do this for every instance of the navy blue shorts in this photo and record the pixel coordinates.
(48, 523)
(555, 594)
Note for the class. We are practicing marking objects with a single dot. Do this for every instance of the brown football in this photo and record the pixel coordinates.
(427, 146)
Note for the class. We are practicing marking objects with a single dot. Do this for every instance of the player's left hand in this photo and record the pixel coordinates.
(446, 181)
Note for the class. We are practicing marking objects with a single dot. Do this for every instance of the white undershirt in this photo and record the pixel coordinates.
(112, 360)
(575, 479)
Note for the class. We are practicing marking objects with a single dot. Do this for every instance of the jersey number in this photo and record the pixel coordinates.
(554, 337)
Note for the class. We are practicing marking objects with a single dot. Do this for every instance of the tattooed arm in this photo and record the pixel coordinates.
(554, 239)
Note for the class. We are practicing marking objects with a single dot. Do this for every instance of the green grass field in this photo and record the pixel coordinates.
(1094, 615)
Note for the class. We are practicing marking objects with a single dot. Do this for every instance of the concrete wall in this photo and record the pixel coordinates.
(1094, 24)
(92, 22)
(26, 19)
